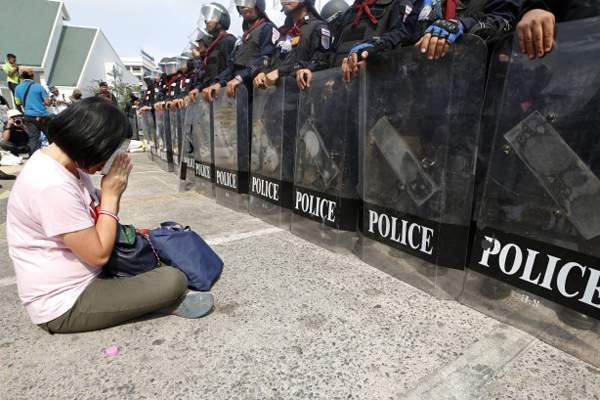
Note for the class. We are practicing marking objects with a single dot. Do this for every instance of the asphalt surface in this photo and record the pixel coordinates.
(292, 321)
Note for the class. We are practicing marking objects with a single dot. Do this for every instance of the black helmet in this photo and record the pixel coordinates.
(333, 9)
(148, 78)
(162, 64)
(204, 36)
(261, 5)
(216, 11)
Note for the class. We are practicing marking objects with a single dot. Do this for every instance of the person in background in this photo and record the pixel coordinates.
(11, 69)
(59, 101)
(130, 106)
(106, 95)
(76, 96)
(14, 134)
(34, 100)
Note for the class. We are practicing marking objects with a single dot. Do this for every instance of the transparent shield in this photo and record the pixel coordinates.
(273, 149)
(187, 166)
(231, 149)
(535, 258)
(149, 127)
(176, 119)
(164, 151)
(202, 137)
(419, 123)
(325, 198)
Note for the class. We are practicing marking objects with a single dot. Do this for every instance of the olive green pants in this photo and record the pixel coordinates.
(109, 301)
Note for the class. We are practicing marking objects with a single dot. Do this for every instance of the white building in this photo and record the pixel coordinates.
(140, 64)
(66, 56)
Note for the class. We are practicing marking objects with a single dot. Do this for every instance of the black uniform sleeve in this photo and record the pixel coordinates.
(320, 49)
(500, 14)
(401, 28)
(553, 6)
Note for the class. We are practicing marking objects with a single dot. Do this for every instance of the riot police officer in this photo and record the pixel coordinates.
(536, 27)
(163, 84)
(305, 40)
(219, 45)
(442, 22)
(175, 71)
(253, 52)
(186, 81)
(369, 27)
(332, 12)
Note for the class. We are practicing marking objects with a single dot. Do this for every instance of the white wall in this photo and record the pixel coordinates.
(53, 40)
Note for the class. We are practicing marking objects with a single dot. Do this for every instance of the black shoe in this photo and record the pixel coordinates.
(7, 177)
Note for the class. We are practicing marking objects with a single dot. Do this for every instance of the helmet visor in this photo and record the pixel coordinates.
(192, 39)
(210, 13)
(243, 3)
(280, 4)
(172, 66)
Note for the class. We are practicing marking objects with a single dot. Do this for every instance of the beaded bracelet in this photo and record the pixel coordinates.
(109, 214)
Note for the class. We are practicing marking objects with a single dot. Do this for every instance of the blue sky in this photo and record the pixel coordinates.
(160, 27)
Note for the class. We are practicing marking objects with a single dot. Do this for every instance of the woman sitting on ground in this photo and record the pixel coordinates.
(58, 241)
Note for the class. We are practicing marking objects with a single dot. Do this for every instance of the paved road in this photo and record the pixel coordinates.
(293, 321)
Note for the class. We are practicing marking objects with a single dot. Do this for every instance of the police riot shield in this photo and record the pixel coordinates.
(187, 164)
(535, 260)
(176, 119)
(325, 198)
(272, 152)
(164, 152)
(419, 121)
(201, 121)
(135, 126)
(149, 128)
(232, 151)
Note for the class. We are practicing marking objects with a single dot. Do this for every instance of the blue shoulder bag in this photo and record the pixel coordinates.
(185, 250)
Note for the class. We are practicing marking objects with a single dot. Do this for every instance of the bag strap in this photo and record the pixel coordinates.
(27, 94)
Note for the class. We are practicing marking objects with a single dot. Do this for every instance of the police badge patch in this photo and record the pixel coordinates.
(325, 38)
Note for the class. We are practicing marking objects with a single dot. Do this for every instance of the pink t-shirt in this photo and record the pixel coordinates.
(47, 201)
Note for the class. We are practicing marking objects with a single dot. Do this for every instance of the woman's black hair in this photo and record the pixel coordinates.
(90, 131)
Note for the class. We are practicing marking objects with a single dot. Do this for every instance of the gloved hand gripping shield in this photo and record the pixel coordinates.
(231, 149)
(273, 149)
(538, 234)
(325, 198)
(419, 122)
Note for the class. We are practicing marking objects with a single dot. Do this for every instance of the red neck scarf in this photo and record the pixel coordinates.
(450, 9)
(173, 80)
(363, 7)
(212, 46)
(256, 25)
(295, 30)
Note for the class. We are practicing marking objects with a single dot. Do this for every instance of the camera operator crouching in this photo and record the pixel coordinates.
(34, 100)
(14, 134)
